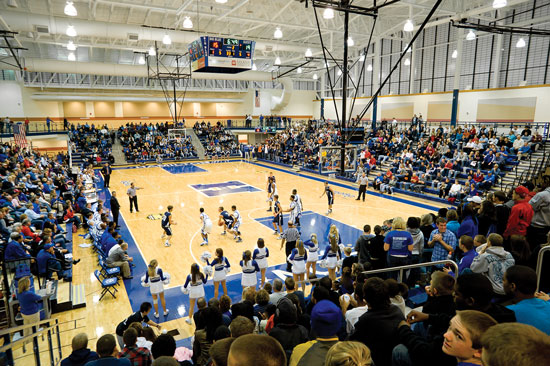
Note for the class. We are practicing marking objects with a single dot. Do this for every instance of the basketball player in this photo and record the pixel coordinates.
(234, 228)
(298, 201)
(166, 224)
(271, 191)
(225, 219)
(206, 227)
(277, 216)
(330, 195)
(293, 209)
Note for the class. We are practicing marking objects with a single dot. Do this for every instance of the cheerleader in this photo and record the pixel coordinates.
(249, 267)
(260, 256)
(313, 254)
(298, 258)
(332, 255)
(194, 286)
(333, 232)
(155, 279)
(220, 265)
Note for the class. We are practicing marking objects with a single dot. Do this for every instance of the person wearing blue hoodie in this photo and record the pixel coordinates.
(469, 224)
(81, 353)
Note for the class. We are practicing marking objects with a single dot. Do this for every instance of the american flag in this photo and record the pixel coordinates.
(19, 135)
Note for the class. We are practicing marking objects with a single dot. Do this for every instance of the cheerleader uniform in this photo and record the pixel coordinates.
(313, 251)
(260, 256)
(196, 290)
(219, 268)
(156, 283)
(249, 278)
(298, 261)
(332, 257)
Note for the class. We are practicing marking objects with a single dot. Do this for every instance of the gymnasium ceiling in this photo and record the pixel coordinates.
(105, 27)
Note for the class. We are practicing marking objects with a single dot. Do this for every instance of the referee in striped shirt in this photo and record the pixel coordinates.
(290, 237)
(363, 182)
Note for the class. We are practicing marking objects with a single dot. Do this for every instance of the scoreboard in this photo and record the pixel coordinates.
(224, 55)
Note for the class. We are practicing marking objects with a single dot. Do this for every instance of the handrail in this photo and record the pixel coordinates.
(539, 263)
(25, 326)
(25, 339)
(409, 266)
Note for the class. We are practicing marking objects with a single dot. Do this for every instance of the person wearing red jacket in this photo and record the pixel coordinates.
(521, 213)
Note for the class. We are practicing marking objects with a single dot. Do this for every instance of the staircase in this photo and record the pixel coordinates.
(526, 169)
(196, 143)
(118, 154)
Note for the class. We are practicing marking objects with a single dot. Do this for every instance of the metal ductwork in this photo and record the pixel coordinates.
(110, 98)
(100, 68)
(278, 103)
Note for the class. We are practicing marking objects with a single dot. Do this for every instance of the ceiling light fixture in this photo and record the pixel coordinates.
(309, 53)
(71, 57)
(12, 4)
(221, 1)
(407, 62)
(339, 72)
(405, 48)
(187, 23)
(328, 13)
(455, 54)
(497, 4)
(141, 60)
(254, 67)
(470, 36)
(71, 32)
(278, 33)
(315, 77)
(299, 70)
(70, 10)
(351, 42)
(152, 51)
(409, 26)
(71, 46)
(166, 39)
(369, 68)
(277, 61)
(521, 43)
(362, 58)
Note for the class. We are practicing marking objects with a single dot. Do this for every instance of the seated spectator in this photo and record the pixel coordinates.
(514, 344)
(253, 349)
(493, 261)
(240, 326)
(463, 338)
(204, 338)
(521, 283)
(466, 245)
(219, 351)
(359, 307)
(107, 351)
(349, 354)
(278, 292)
(286, 330)
(48, 264)
(81, 353)
(326, 321)
(137, 355)
(16, 249)
(440, 298)
(376, 328)
(119, 258)
(521, 213)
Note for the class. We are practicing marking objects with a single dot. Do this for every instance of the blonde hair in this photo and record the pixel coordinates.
(333, 231)
(398, 224)
(152, 269)
(314, 239)
(24, 284)
(333, 244)
(348, 354)
(300, 247)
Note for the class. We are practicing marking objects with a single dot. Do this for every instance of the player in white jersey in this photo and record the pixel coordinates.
(298, 201)
(234, 227)
(206, 226)
(271, 190)
(294, 212)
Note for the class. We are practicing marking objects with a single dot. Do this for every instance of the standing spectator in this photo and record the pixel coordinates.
(204, 338)
(452, 222)
(139, 316)
(81, 353)
(399, 245)
(376, 328)
(107, 350)
(493, 261)
(520, 215)
(502, 211)
(138, 356)
(48, 123)
(326, 321)
(540, 224)
(362, 245)
(413, 227)
(442, 240)
(521, 283)
(28, 302)
(486, 218)
(469, 224)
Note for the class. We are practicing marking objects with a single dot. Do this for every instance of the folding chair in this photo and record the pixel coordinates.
(108, 271)
(107, 284)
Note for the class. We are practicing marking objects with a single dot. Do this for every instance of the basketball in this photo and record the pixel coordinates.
(220, 223)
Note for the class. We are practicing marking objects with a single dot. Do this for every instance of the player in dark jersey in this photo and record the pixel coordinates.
(277, 216)
(166, 224)
(225, 219)
(330, 195)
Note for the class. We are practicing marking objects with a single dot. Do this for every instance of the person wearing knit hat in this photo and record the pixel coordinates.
(326, 322)
(521, 213)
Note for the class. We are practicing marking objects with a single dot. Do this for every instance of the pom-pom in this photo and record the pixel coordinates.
(166, 278)
(205, 255)
(143, 283)
(185, 290)
(339, 263)
(323, 263)
(227, 269)
(208, 270)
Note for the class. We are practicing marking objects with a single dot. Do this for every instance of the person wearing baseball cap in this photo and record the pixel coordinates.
(326, 322)
(521, 213)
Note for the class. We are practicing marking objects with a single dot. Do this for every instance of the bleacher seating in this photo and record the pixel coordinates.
(217, 141)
